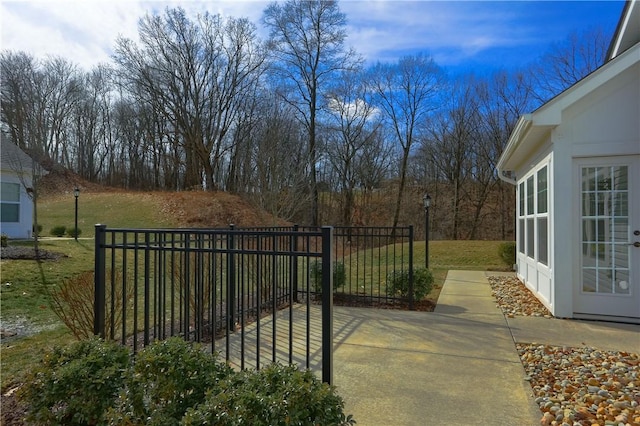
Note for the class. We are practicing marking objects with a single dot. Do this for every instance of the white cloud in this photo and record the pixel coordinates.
(85, 31)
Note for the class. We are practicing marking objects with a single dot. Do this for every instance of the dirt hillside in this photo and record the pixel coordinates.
(191, 208)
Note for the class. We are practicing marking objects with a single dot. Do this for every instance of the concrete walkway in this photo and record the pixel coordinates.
(455, 366)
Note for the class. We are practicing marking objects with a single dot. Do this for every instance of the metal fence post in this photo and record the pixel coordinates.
(411, 275)
(294, 263)
(99, 281)
(147, 293)
(231, 279)
(327, 305)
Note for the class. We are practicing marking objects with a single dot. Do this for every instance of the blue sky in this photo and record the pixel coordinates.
(460, 35)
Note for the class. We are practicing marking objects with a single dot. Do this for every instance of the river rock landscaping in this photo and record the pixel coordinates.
(572, 385)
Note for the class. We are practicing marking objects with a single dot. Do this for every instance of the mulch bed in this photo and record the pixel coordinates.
(28, 253)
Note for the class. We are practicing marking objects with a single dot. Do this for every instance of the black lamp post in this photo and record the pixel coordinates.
(427, 203)
(76, 193)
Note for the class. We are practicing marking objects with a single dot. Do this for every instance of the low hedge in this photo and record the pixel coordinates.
(171, 382)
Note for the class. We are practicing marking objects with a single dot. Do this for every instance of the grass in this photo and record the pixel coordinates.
(26, 284)
(114, 209)
(464, 255)
(374, 266)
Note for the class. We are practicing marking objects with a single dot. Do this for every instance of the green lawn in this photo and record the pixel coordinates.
(26, 284)
(116, 210)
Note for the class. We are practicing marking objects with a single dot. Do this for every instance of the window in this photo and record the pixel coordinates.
(521, 214)
(533, 215)
(10, 205)
(542, 190)
(542, 216)
(530, 195)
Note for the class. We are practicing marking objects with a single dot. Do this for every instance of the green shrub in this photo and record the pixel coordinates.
(166, 379)
(507, 252)
(74, 385)
(58, 231)
(4, 240)
(74, 232)
(171, 382)
(398, 283)
(276, 395)
(339, 276)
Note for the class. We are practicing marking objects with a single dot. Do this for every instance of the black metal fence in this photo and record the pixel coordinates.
(366, 260)
(254, 295)
(229, 288)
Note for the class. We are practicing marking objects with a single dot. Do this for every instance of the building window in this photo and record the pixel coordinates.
(530, 196)
(533, 216)
(10, 202)
(542, 209)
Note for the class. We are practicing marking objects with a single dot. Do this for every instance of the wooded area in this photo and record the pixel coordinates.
(297, 123)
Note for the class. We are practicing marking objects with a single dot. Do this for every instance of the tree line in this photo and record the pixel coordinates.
(298, 122)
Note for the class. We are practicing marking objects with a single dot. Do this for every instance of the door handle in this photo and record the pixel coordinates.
(636, 244)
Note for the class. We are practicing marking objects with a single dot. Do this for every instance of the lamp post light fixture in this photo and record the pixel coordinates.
(76, 193)
(427, 203)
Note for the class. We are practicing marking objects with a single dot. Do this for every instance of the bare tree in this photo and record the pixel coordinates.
(90, 124)
(36, 102)
(503, 98)
(449, 145)
(351, 129)
(194, 74)
(306, 38)
(279, 162)
(405, 93)
(16, 88)
(567, 62)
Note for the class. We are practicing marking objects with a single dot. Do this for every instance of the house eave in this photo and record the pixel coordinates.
(525, 138)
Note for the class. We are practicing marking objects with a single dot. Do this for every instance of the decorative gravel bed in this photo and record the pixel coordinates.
(573, 385)
(514, 298)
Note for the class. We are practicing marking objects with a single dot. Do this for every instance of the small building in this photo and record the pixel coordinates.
(16, 186)
(575, 162)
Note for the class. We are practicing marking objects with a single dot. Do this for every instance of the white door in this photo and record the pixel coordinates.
(609, 256)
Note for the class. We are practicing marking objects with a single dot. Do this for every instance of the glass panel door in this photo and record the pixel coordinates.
(605, 230)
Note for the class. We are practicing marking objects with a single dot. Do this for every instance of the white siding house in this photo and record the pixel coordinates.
(575, 162)
(16, 180)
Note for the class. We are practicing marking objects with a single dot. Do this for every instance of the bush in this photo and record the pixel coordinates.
(73, 302)
(74, 232)
(166, 379)
(507, 252)
(171, 382)
(398, 283)
(276, 395)
(339, 276)
(75, 385)
(4, 240)
(58, 231)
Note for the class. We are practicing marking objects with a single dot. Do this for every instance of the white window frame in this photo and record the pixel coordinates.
(530, 214)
